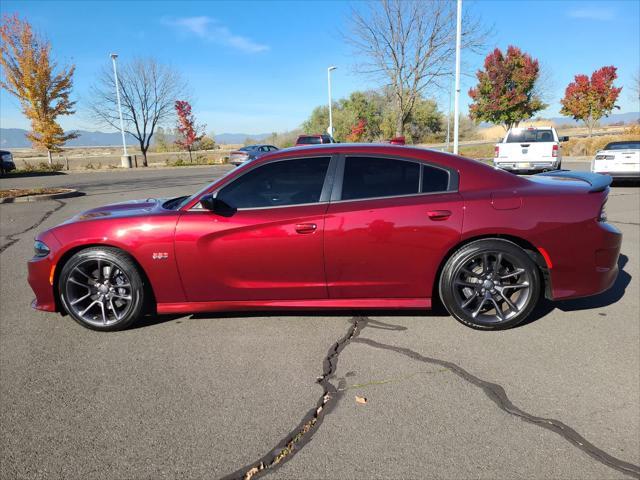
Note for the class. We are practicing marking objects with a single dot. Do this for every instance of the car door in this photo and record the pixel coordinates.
(268, 245)
(389, 225)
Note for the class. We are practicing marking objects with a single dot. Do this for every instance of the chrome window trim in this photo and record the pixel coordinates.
(452, 185)
(446, 192)
(324, 193)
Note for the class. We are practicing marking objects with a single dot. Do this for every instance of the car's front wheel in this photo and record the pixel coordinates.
(101, 288)
(490, 284)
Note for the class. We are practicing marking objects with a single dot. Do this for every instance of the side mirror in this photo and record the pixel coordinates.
(564, 139)
(217, 206)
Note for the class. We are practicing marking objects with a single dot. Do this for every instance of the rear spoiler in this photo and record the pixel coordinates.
(598, 182)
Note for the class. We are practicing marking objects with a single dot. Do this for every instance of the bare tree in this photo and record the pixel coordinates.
(410, 45)
(148, 91)
(635, 88)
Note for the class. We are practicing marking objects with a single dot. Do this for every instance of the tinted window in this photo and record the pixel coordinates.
(288, 182)
(530, 136)
(623, 146)
(326, 139)
(309, 140)
(250, 148)
(434, 179)
(366, 177)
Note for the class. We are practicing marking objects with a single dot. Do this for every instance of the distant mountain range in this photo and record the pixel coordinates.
(15, 138)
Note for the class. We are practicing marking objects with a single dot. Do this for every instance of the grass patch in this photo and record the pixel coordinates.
(589, 146)
(198, 160)
(25, 192)
(42, 167)
(477, 151)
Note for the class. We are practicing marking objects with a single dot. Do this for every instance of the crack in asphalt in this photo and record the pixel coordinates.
(332, 394)
(48, 213)
(301, 435)
(497, 394)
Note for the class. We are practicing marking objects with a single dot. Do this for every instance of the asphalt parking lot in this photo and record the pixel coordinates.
(211, 396)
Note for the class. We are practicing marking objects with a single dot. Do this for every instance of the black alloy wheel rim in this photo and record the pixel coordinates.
(99, 292)
(492, 287)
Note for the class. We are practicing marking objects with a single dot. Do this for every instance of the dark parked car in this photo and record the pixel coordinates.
(250, 152)
(337, 227)
(6, 162)
(314, 139)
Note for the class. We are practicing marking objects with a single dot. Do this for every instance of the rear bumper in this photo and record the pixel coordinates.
(534, 166)
(595, 272)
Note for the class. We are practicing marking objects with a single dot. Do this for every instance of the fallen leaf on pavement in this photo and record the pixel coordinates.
(361, 400)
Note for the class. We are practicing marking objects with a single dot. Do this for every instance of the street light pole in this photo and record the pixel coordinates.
(456, 103)
(330, 128)
(449, 117)
(115, 75)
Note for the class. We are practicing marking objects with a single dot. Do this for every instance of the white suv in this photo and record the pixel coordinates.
(534, 149)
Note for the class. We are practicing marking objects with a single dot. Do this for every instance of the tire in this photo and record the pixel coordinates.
(101, 288)
(479, 295)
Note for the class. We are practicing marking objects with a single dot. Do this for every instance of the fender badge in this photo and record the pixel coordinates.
(160, 255)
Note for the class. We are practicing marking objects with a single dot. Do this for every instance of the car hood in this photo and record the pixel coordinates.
(146, 207)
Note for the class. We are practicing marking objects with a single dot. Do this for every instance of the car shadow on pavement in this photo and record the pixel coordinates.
(154, 319)
(544, 307)
(604, 299)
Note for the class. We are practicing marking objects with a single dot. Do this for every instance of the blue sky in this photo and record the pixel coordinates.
(258, 67)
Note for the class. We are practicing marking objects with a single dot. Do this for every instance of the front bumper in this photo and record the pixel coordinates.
(41, 271)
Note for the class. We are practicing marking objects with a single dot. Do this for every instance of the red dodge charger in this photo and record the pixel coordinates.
(334, 227)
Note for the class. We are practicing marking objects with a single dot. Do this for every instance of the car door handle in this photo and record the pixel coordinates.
(306, 227)
(439, 214)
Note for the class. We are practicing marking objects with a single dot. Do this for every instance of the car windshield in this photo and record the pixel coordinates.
(309, 140)
(201, 191)
(632, 145)
(530, 136)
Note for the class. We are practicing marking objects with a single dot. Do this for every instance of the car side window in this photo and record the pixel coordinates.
(370, 177)
(277, 184)
(434, 179)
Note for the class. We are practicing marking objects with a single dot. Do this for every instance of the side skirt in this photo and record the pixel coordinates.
(315, 304)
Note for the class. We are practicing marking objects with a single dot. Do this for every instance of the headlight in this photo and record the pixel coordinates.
(40, 249)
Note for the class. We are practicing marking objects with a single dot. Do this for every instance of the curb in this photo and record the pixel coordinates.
(70, 193)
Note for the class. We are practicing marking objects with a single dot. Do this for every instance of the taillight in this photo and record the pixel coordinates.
(496, 151)
(554, 152)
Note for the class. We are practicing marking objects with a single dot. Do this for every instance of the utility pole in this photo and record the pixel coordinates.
(456, 108)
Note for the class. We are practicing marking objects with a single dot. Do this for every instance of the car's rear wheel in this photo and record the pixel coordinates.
(102, 289)
(490, 284)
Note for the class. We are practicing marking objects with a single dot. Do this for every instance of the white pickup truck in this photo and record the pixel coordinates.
(533, 149)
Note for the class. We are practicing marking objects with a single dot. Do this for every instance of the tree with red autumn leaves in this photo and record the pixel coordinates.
(590, 99)
(506, 92)
(357, 131)
(189, 132)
